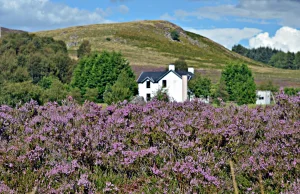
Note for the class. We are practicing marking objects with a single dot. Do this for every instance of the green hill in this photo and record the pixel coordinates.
(148, 46)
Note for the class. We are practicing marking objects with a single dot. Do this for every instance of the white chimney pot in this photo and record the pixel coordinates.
(191, 70)
(171, 67)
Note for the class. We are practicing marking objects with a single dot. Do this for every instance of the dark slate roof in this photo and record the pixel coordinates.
(156, 76)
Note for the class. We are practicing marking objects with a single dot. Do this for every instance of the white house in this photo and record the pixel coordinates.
(175, 82)
(263, 97)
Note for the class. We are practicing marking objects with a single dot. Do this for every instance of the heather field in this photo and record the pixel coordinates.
(156, 148)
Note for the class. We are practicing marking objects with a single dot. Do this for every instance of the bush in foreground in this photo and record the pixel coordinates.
(155, 148)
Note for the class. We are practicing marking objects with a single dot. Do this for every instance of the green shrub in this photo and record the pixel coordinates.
(175, 35)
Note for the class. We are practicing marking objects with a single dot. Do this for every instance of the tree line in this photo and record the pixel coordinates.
(40, 68)
(273, 57)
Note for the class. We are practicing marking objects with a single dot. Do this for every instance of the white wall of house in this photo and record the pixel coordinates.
(263, 97)
(174, 87)
(143, 90)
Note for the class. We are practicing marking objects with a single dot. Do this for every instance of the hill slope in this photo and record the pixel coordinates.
(148, 45)
(5, 31)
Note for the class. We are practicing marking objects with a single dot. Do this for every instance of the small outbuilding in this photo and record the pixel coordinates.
(263, 97)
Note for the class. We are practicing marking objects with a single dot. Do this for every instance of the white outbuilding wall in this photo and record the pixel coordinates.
(263, 97)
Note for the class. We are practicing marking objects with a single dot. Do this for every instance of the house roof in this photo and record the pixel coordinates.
(156, 76)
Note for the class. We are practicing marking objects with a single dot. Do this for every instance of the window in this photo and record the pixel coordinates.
(261, 98)
(148, 97)
(164, 83)
(148, 84)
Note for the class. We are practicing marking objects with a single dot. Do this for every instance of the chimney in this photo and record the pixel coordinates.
(184, 88)
(191, 70)
(171, 67)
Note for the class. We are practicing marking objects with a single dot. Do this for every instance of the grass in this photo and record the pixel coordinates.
(148, 44)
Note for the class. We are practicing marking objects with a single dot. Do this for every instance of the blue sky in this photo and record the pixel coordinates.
(252, 23)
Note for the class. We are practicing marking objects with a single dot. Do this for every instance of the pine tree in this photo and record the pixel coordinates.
(99, 70)
(240, 83)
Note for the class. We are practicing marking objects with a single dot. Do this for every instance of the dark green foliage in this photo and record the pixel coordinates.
(98, 70)
(25, 57)
(240, 50)
(180, 64)
(278, 60)
(240, 83)
(46, 82)
(108, 39)
(291, 91)
(123, 89)
(55, 93)
(76, 95)
(268, 86)
(297, 60)
(267, 55)
(15, 93)
(175, 35)
(200, 86)
(91, 94)
(220, 92)
(84, 49)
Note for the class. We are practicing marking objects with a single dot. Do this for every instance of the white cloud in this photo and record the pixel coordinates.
(123, 9)
(227, 36)
(284, 12)
(285, 39)
(44, 14)
(166, 16)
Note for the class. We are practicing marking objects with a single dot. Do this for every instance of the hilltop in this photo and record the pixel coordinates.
(5, 31)
(148, 46)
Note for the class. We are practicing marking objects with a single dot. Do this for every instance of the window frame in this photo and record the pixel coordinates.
(148, 83)
(164, 83)
(148, 97)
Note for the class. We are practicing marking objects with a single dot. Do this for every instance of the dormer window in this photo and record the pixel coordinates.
(164, 83)
(148, 84)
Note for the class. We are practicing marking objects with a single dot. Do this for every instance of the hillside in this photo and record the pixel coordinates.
(148, 46)
(5, 31)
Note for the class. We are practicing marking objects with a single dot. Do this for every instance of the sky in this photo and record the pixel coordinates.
(252, 23)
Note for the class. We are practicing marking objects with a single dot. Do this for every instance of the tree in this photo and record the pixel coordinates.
(175, 35)
(200, 86)
(290, 57)
(297, 61)
(220, 92)
(56, 93)
(123, 89)
(239, 83)
(76, 94)
(28, 57)
(91, 94)
(278, 60)
(291, 91)
(268, 86)
(84, 49)
(180, 64)
(15, 93)
(240, 49)
(98, 70)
